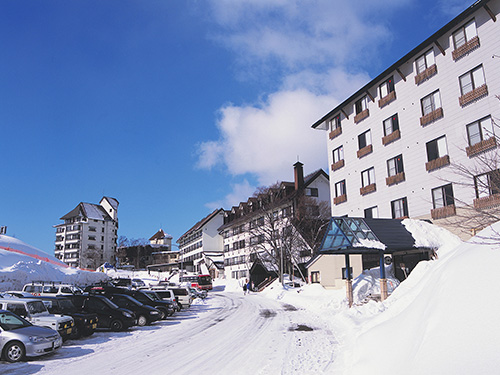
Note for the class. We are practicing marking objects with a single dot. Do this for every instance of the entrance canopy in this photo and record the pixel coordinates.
(349, 235)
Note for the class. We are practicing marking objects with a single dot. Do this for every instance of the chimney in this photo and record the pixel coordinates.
(299, 176)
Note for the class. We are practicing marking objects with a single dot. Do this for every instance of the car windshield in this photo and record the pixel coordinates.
(67, 305)
(9, 321)
(110, 303)
(204, 280)
(36, 307)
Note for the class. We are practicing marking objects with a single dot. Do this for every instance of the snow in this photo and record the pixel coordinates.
(441, 320)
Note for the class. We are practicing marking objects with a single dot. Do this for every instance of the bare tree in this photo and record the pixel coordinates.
(284, 231)
(483, 177)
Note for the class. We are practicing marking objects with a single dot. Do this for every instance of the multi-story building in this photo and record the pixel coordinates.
(201, 239)
(397, 145)
(87, 238)
(260, 228)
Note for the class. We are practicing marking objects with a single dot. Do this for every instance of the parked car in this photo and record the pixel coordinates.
(164, 307)
(85, 322)
(20, 339)
(51, 289)
(184, 298)
(145, 314)
(36, 313)
(109, 314)
(156, 298)
(166, 295)
(122, 281)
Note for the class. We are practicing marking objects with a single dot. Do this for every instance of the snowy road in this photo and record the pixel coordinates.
(228, 333)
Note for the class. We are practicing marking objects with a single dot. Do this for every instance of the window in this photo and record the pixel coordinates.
(315, 277)
(479, 131)
(311, 192)
(361, 104)
(391, 124)
(92, 229)
(472, 80)
(340, 188)
(371, 212)
(338, 154)
(436, 148)
(386, 87)
(442, 196)
(487, 184)
(395, 165)
(91, 238)
(364, 139)
(430, 103)
(368, 177)
(345, 276)
(465, 34)
(334, 123)
(399, 208)
(425, 61)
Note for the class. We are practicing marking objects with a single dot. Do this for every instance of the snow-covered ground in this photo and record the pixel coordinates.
(441, 320)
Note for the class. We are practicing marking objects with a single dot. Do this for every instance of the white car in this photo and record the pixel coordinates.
(184, 297)
(51, 289)
(36, 313)
(20, 339)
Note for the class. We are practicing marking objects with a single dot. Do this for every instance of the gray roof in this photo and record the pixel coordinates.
(88, 210)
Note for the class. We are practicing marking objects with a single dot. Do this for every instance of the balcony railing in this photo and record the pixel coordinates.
(442, 212)
(473, 95)
(335, 132)
(430, 117)
(487, 202)
(426, 74)
(469, 46)
(387, 99)
(395, 135)
(340, 199)
(437, 163)
(364, 151)
(338, 165)
(368, 189)
(481, 146)
(391, 180)
(361, 115)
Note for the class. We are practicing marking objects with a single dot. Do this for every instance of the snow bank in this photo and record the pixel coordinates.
(21, 263)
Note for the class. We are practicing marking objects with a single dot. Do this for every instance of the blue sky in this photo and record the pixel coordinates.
(176, 108)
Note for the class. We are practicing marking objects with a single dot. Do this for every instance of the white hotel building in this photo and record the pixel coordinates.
(392, 145)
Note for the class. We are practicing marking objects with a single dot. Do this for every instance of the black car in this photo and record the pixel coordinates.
(166, 308)
(85, 322)
(145, 314)
(110, 315)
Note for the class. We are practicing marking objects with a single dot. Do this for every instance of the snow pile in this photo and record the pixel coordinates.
(21, 264)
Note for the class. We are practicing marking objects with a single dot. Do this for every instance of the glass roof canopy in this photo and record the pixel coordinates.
(345, 232)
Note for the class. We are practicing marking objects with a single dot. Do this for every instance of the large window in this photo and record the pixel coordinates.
(364, 139)
(464, 34)
(436, 148)
(386, 87)
(472, 80)
(443, 196)
(361, 104)
(487, 184)
(368, 177)
(480, 130)
(425, 61)
(430, 103)
(391, 124)
(340, 188)
(395, 165)
(399, 208)
(338, 154)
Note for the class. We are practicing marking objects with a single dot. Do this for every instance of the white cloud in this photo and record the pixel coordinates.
(313, 49)
(240, 193)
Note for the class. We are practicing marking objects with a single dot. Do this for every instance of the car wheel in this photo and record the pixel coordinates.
(14, 352)
(116, 325)
(163, 313)
(180, 306)
(142, 321)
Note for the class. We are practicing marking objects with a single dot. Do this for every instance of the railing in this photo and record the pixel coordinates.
(391, 180)
(361, 115)
(473, 95)
(430, 117)
(442, 212)
(395, 135)
(335, 132)
(364, 151)
(437, 163)
(426, 74)
(481, 146)
(368, 189)
(338, 165)
(469, 46)
(387, 99)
